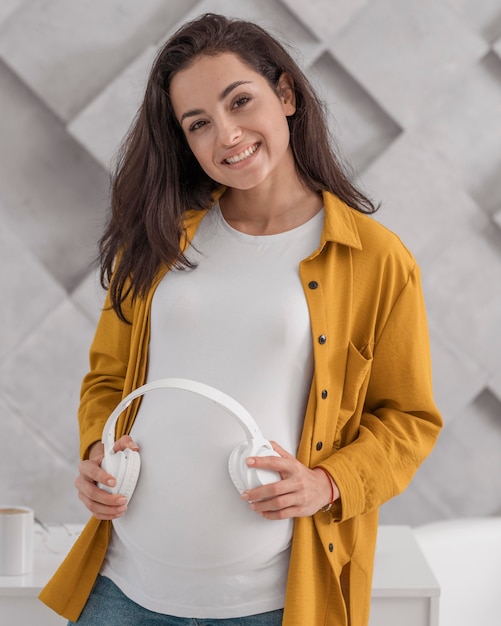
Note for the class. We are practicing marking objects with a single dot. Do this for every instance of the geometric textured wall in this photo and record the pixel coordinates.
(414, 89)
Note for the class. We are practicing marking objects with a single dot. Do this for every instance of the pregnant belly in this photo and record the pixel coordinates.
(185, 511)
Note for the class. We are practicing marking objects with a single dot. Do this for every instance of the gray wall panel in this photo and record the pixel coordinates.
(415, 94)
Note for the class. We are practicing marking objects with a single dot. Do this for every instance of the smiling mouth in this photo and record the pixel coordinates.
(237, 158)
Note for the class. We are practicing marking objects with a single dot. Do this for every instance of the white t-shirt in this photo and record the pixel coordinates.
(188, 545)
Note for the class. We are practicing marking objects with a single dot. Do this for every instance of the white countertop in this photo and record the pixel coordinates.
(400, 568)
(50, 549)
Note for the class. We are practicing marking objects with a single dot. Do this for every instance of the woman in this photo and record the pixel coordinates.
(238, 254)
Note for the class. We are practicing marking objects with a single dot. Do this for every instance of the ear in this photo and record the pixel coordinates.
(287, 94)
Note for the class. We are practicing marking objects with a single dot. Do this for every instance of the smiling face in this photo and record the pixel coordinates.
(234, 122)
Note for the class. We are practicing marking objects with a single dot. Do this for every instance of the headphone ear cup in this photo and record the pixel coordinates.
(237, 467)
(245, 477)
(124, 466)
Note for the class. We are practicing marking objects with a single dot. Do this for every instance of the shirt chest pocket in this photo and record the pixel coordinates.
(356, 380)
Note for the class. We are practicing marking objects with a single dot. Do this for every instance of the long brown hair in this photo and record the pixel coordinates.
(158, 179)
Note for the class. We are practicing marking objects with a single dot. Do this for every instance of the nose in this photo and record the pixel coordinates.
(228, 131)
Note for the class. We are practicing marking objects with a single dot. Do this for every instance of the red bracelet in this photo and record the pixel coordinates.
(331, 482)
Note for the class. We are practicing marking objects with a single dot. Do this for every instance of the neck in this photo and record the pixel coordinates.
(270, 211)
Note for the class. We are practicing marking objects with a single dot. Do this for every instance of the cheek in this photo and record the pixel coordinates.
(278, 129)
(202, 151)
(199, 150)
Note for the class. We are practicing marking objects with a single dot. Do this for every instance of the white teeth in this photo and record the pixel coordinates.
(243, 155)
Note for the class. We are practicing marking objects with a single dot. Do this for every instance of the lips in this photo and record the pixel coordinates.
(242, 156)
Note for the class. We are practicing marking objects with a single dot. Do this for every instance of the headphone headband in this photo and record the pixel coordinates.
(125, 464)
(234, 408)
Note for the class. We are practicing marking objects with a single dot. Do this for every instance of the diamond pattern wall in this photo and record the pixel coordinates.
(414, 90)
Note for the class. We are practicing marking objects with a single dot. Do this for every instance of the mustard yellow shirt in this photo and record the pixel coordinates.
(370, 419)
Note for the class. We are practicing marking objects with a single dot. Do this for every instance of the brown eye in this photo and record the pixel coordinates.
(197, 125)
(240, 102)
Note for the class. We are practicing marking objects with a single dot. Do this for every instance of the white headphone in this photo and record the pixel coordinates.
(125, 465)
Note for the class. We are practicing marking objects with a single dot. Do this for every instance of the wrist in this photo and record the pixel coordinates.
(96, 451)
(333, 490)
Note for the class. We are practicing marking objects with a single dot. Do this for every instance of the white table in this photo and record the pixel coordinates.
(19, 604)
(404, 588)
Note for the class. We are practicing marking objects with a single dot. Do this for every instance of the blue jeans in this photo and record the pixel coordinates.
(108, 606)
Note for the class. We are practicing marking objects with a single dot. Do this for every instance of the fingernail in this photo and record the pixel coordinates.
(251, 461)
(245, 496)
(122, 501)
(111, 482)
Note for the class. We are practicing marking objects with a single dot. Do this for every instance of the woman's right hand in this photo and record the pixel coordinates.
(103, 505)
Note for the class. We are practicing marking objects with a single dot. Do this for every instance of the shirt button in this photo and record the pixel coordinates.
(324, 394)
(319, 445)
(313, 284)
(322, 339)
(331, 547)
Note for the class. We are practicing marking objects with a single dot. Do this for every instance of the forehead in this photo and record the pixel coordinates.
(218, 64)
(208, 75)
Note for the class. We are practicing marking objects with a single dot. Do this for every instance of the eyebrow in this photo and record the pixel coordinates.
(226, 92)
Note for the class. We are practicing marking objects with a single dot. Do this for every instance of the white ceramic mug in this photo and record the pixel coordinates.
(16, 540)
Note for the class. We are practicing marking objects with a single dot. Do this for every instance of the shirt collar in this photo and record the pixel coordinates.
(339, 222)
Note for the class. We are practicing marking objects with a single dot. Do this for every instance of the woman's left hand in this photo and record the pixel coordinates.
(301, 492)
